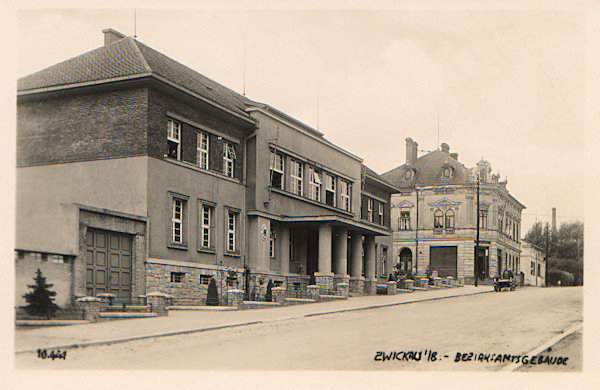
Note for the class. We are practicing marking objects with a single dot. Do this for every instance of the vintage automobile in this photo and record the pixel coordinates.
(506, 281)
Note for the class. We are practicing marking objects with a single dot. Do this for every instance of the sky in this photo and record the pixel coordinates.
(507, 85)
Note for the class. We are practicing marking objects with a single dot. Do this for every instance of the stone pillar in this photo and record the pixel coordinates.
(437, 281)
(313, 292)
(343, 289)
(409, 284)
(451, 280)
(391, 287)
(325, 248)
(235, 298)
(370, 255)
(278, 295)
(283, 240)
(341, 253)
(90, 307)
(158, 303)
(424, 282)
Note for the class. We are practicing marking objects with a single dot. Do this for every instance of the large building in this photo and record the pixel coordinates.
(136, 173)
(434, 216)
(533, 265)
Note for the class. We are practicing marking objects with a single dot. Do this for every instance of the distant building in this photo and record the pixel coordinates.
(136, 173)
(434, 216)
(533, 265)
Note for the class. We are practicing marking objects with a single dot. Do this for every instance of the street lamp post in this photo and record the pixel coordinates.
(476, 259)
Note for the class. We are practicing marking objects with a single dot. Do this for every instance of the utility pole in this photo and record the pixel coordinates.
(476, 259)
(547, 254)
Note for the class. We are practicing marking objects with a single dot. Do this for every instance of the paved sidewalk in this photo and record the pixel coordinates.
(194, 321)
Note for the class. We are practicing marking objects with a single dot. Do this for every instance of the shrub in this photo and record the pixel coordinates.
(269, 293)
(554, 275)
(40, 300)
(212, 298)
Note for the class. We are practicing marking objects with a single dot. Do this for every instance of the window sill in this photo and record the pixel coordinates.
(173, 245)
(232, 254)
(208, 250)
(308, 200)
(196, 168)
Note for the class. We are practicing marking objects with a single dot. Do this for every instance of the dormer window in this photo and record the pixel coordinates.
(408, 174)
(447, 173)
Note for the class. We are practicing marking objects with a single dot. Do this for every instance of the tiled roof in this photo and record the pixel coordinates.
(128, 57)
(428, 171)
(368, 171)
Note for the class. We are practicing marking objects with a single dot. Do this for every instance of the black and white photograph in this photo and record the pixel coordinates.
(301, 195)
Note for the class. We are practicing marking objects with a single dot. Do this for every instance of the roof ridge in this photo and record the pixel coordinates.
(139, 52)
(191, 69)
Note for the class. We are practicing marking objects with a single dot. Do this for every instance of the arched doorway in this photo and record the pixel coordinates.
(405, 260)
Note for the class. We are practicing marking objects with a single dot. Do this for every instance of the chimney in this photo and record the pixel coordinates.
(445, 148)
(111, 36)
(454, 156)
(554, 219)
(411, 151)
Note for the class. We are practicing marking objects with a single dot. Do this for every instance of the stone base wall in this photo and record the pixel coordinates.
(324, 281)
(357, 285)
(341, 279)
(192, 289)
(370, 287)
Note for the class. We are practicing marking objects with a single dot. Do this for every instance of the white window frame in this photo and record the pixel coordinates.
(483, 219)
(330, 187)
(345, 194)
(314, 182)
(296, 177)
(228, 157)
(277, 164)
(174, 135)
(206, 216)
(272, 242)
(177, 220)
(202, 149)
(381, 214)
(404, 220)
(369, 209)
(232, 231)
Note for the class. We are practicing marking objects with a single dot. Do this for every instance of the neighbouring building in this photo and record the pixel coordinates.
(533, 265)
(136, 173)
(434, 217)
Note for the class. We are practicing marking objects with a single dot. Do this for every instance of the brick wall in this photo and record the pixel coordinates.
(161, 104)
(82, 127)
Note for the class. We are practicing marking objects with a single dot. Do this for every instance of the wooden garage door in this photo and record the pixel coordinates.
(108, 263)
(443, 259)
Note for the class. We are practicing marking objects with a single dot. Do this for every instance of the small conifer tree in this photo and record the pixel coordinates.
(269, 293)
(212, 298)
(40, 300)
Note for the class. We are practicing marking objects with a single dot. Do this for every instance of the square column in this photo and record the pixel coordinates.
(370, 254)
(341, 253)
(283, 251)
(357, 282)
(324, 278)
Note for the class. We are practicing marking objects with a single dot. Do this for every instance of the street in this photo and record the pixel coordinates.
(422, 336)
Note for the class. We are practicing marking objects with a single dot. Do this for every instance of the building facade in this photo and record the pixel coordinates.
(137, 174)
(533, 265)
(434, 217)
